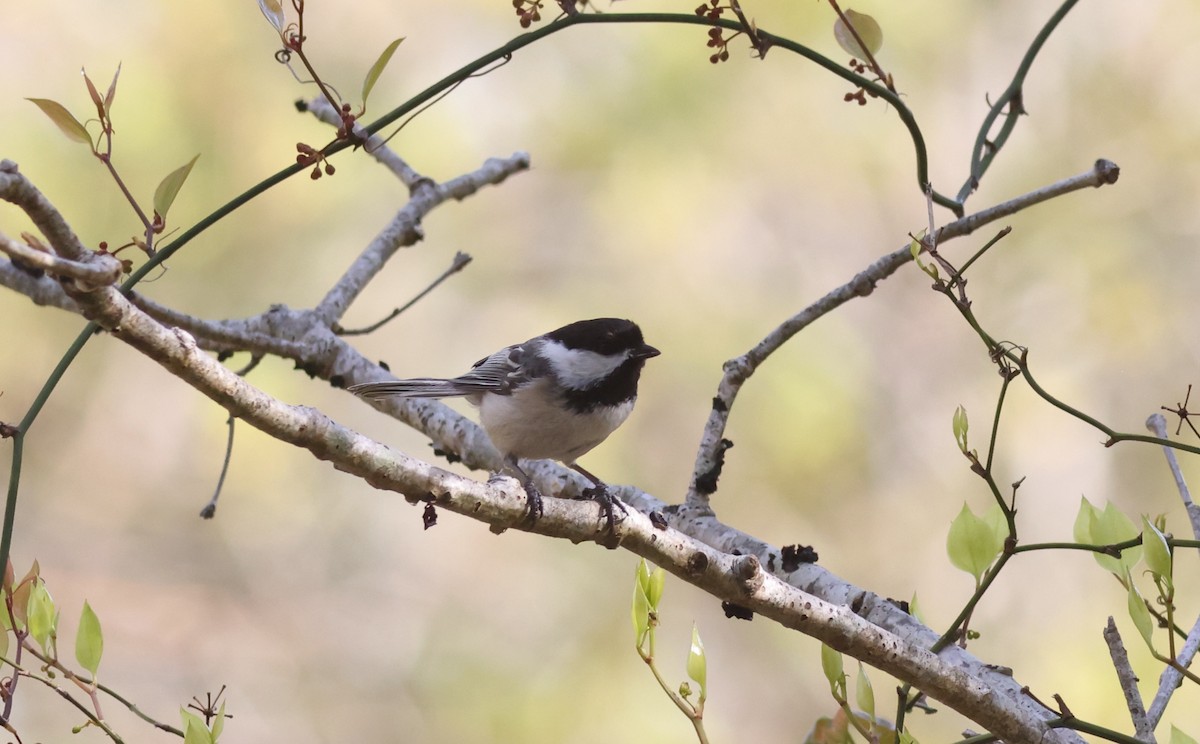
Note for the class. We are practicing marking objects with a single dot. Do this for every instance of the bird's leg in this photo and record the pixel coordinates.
(600, 494)
(533, 497)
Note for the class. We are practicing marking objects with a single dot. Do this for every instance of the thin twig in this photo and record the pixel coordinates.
(1171, 677)
(739, 369)
(1157, 423)
(458, 264)
(210, 509)
(100, 270)
(1128, 681)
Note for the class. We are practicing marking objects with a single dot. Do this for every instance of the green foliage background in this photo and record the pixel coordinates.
(709, 203)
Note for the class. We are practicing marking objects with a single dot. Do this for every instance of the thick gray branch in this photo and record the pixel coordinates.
(731, 565)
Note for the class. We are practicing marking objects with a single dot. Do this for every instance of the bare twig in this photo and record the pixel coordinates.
(1128, 680)
(375, 146)
(458, 264)
(739, 369)
(1157, 423)
(405, 230)
(98, 270)
(40, 287)
(1171, 677)
(17, 189)
(210, 509)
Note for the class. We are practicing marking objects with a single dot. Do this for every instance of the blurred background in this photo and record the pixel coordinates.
(707, 202)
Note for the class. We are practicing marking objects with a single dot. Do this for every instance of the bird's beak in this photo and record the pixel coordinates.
(645, 352)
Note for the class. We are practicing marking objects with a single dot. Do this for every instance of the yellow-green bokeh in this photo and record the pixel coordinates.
(707, 202)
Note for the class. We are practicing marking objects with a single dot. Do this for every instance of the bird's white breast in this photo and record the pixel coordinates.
(529, 424)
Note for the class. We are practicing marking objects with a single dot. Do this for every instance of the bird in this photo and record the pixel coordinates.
(554, 397)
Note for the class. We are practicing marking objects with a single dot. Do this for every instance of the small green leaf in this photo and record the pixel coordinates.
(4, 638)
(915, 249)
(41, 614)
(1178, 737)
(63, 119)
(868, 30)
(1095, 527)
(864, 694)
(654, 589)
(826, 730)
(697, 663)
(95, 95)
(218, 723)
(1158, 553)
(273, 11)
(195, 732)
(960, 425)
(914, 609)
(831, 665)
(972, 543)
(640, 613)
(377, 69)
(1140, 614)
(164, 195)
(995, 519)
(112, 91)
(89, 641)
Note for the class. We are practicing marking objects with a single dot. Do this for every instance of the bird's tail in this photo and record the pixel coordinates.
(420, 387)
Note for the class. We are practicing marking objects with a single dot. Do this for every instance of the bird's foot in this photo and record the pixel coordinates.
(601, 495)
(533, 504)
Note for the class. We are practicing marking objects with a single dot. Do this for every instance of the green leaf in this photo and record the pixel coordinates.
(218, 723)
(41, 614)
(63, 119)
(1140, 614)
(914, 609)
(864, 694)
(1158, 553)
(1178, 737)
(195, 732)
(4, 638)
(831, 665)
(21, 595)
(697, 663)
(1095, 527)
(960, 425)
(377, 69)
(654, 589)
(89, 641)
(273, 11)
(995, 519)
(95, 95)
(972, 543)
(868, 30)
(164, 195)
(640, 613)
(112, 91)
(828, 730)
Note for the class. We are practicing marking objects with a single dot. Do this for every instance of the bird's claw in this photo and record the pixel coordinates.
(600, 494)
(533, 504)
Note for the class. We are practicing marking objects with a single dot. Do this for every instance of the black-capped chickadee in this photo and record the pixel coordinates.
(554, 397)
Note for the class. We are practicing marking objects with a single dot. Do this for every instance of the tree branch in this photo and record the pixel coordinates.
(1128, 680)
(96, 270)
(738, 370)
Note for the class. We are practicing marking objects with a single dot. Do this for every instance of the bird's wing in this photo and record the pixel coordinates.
(501, 373)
